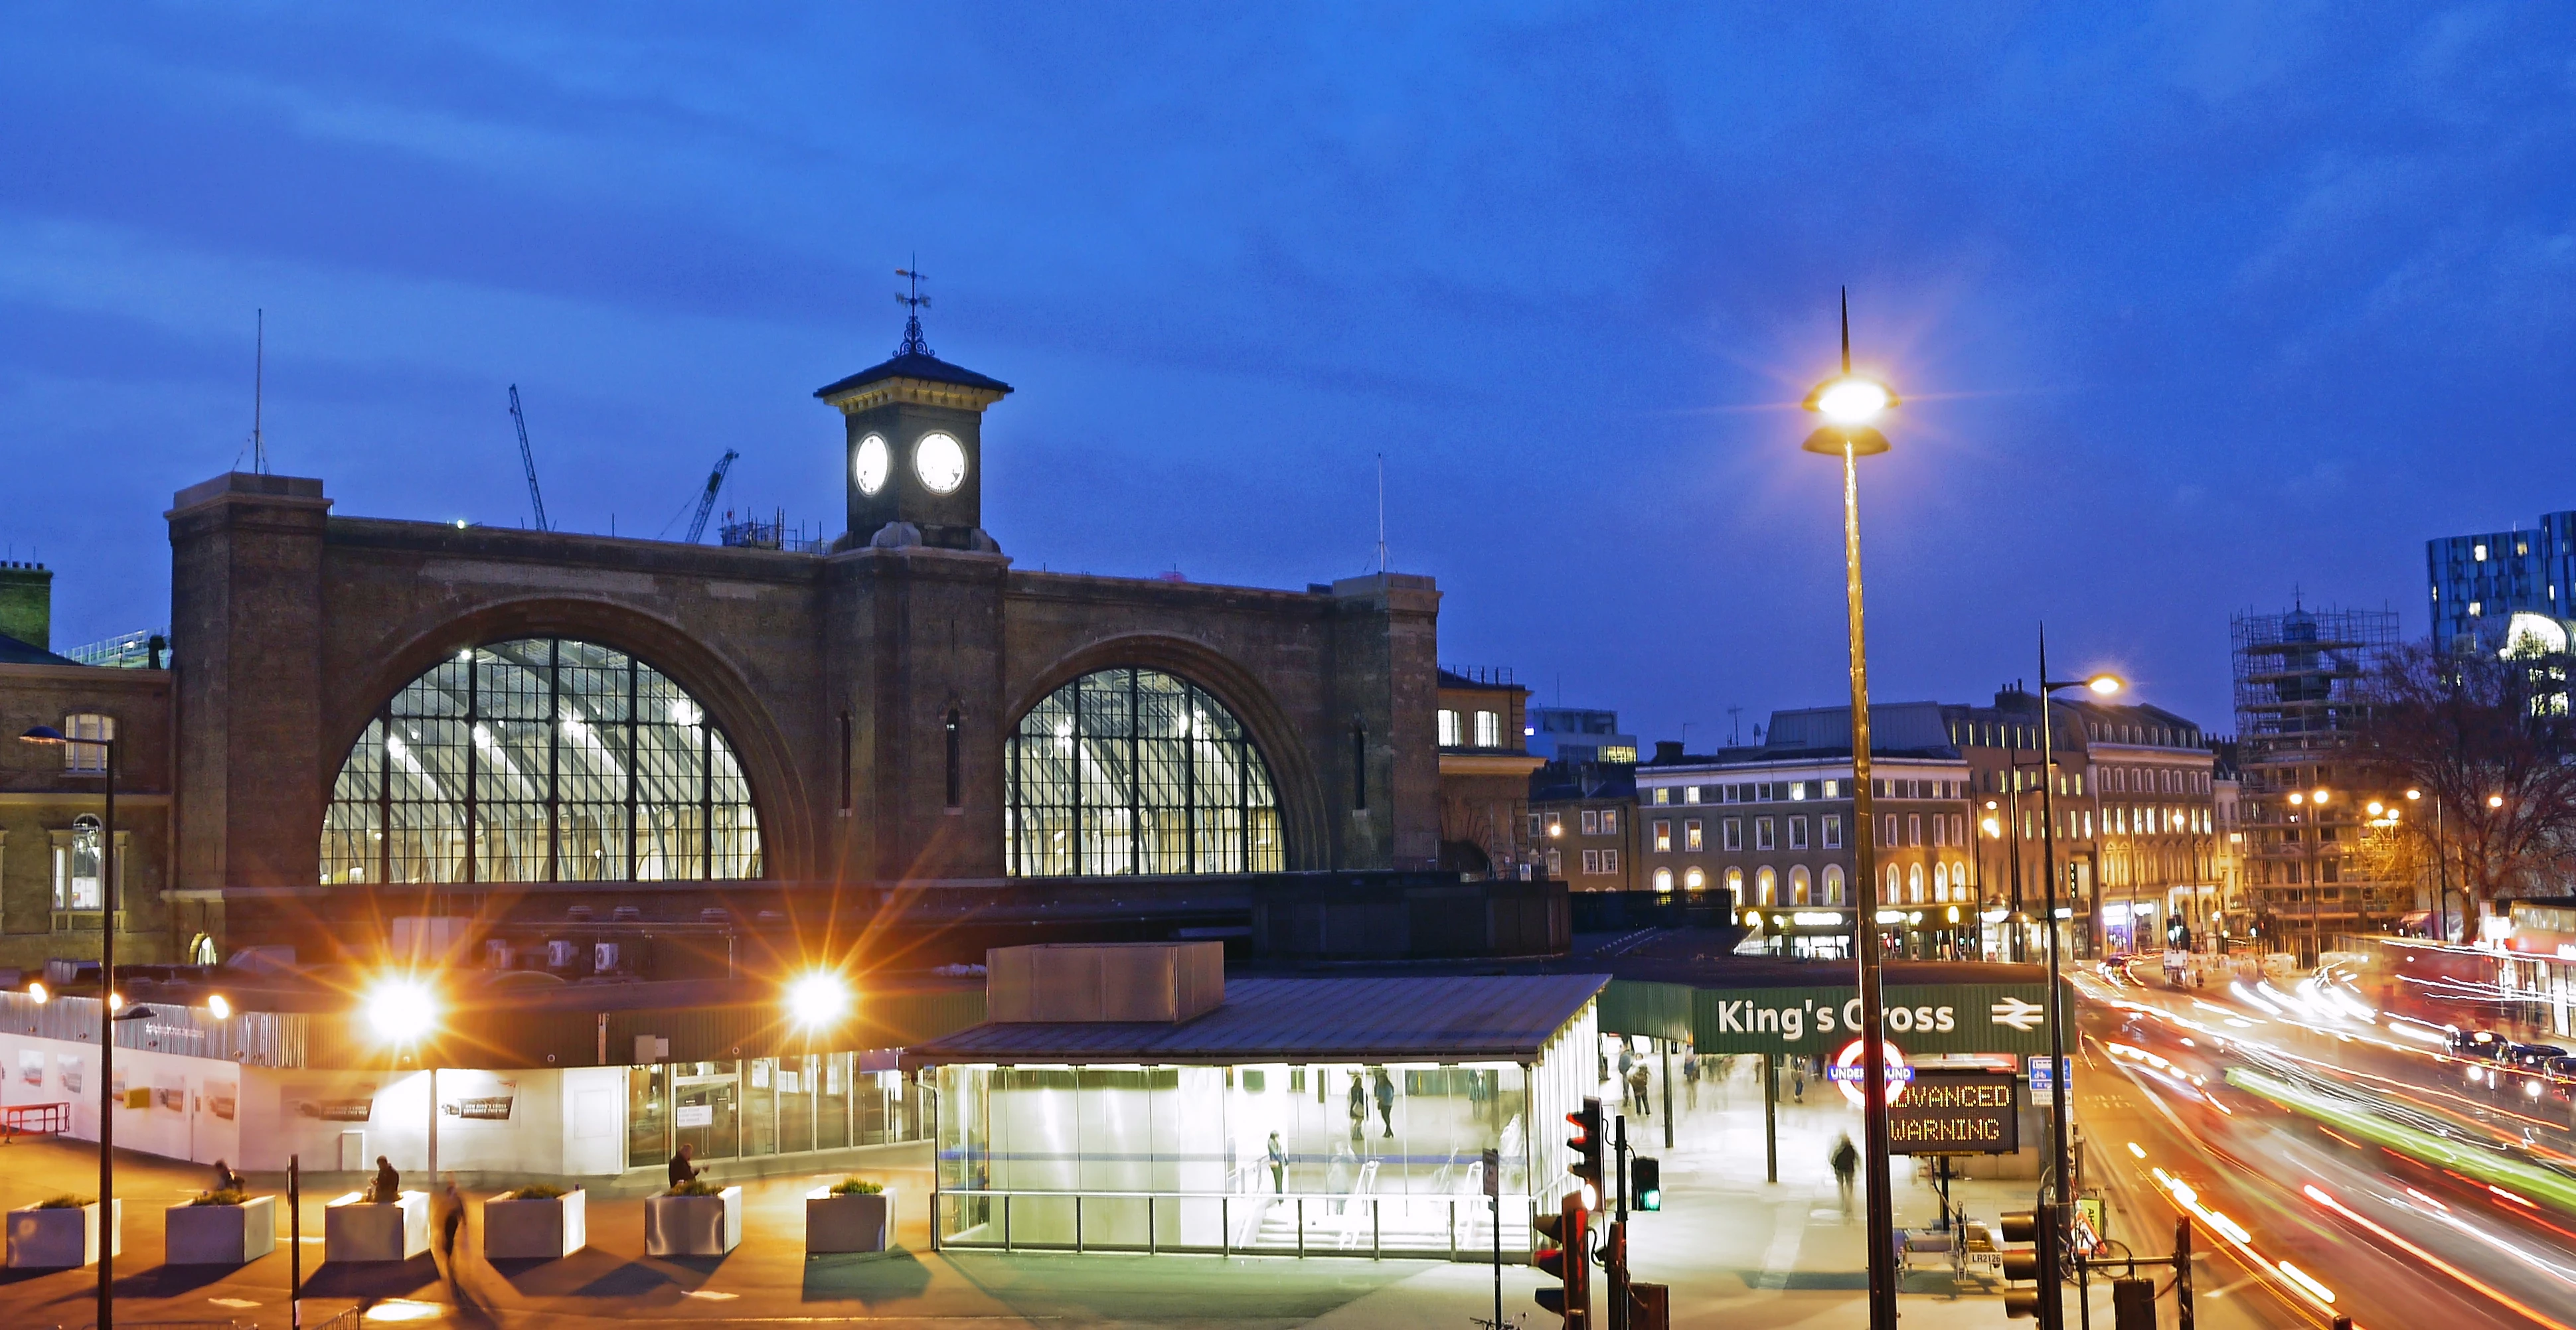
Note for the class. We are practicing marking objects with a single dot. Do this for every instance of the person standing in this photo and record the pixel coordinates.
(1690, 1081)
(1846, 1161)
(1359, 1113)
(1386, 1101)
(1278, 1166)
(1637, 1078)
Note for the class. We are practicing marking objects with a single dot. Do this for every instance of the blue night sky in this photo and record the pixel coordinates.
(2193, 305)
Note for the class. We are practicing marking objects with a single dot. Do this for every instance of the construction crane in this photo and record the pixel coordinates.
(527, 458)
(706, 501)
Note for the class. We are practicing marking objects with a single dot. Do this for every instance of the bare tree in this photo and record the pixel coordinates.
(2490, 740)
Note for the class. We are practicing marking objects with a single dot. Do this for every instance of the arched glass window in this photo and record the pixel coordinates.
(1663, 879)
(1693, 879)
(1735, 885)
(1798, 885)
(1833, 884)
(1914, 885)
(1136, 771)
(1940, 882)
(77, 867)
(540, 760)
(1766, 886)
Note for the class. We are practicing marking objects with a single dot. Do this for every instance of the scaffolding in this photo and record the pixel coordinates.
(2302, 679)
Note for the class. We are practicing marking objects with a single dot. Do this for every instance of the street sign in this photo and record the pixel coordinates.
(1954, 1113)
(1926, 1018)
(2043, 1087)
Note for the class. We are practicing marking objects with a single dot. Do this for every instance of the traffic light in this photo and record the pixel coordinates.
(2039, 1229)
(1645, 1184)
(1585, 1144)
(1569, 1260)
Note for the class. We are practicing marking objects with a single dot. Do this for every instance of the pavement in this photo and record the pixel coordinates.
(1737, 1250)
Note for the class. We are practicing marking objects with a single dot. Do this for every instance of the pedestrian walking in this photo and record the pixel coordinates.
(1846, 1161)
(1798, 1080)
(1386, 1101)
(1637, 1090)
(451, 1217)
(1278, 1166)
(1690, 1081)
(1359, 1113)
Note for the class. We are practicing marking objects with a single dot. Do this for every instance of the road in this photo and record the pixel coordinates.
(2313, 1218)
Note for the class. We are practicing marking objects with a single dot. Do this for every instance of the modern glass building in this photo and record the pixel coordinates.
(1299, 1116)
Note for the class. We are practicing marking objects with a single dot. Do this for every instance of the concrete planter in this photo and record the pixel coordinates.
(536, 1230)
(221, 1234)
(837, 1224)
(693, 1225)
(61, 1239)
(356, 1230)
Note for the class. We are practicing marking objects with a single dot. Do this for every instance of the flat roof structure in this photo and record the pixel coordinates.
(1446, 1018)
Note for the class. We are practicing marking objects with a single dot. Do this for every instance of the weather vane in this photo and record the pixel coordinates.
(913, 304)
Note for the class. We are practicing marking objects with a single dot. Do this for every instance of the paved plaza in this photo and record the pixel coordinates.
(1738, 1251)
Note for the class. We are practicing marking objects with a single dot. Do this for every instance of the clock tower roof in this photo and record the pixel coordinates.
(915, 363)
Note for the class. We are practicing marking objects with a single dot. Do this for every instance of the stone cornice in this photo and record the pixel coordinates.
(919, 392)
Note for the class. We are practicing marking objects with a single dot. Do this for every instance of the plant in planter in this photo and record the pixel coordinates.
(536, 1222)
(852, 1215)
(694, 1218)
(229, 1227)
(60, 1232)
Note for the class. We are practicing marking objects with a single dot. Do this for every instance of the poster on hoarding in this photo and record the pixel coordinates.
(31, 1066)
(475, 1099)
(67, 1072)
(170, 1092)
(330, 1103)
(223, 1098)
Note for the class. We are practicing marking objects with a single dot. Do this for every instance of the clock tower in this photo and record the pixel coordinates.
(914, 457)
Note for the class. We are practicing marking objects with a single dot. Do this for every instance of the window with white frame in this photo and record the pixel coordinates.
(1556, 863)
(1489, 729)
(1797, 833)
(1762, 833)
(1448, 728)
(1591, 862)
(1663, 794)
(78, 756)
(1609, 821)
(1663, 879)
(1609, 861)
(1731, 831)
(1690, 794)
(1693, 879)
(1591, 822)
(1833, 830)
(1663, 836)
(78, 874)
(1690, 834)
(1555, 824)
(1914, 828)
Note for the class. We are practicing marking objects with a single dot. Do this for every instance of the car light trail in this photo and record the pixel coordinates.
(2477, 1166)
(2306, 1282)
(2318, 1196)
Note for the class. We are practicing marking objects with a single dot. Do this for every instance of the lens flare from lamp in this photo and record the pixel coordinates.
(39, 992)
(2104, 684)
(817, 1000)
(220, 1007)
(2495, 801)
(399, 1010)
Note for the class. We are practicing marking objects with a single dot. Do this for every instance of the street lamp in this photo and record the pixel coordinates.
(49, 736)
(403, 1012)
(818, 1000)
(2101, 685)
(1849, 403)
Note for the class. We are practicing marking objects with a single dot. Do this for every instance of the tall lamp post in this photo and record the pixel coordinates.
(2102, 685)
(107, 1014)
(1849, 402)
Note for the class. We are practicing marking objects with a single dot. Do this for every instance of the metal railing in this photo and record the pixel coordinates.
(1461, 1226)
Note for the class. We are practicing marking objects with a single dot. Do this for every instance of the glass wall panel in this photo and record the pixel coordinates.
(760, 1107)
(540, 759)
(832, 1102)
(796, 1084)
(648, 1116)
(1136, 771)
(706, 1108)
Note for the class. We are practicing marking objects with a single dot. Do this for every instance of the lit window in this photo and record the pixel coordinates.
(1489, 729)
(1555, 824)
(1609, 821)
(86, 756)
(77, 865)
(1663, 837)
(1766, 886)
(2479, 552)
(1556, 864)
(1735, 884)
(1690, 835)
(1914, 885)
(1833, 884)
(540, 760)
(1448, 728)
(1940, 882)
(1619, 755)
(1591, 822)
(1663, 794)
(1833, 830)
(1663, 879)
(1690, 794)
(1798, 884)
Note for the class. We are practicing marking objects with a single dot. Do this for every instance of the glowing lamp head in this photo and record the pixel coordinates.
(2376, 808)
(818, 1000)
(2495, 801)
(115, 1001)
(220, 1007)
(39, 992)
(1992, 827)
(2319, 796)
(1851, 399)
(2297, 798)
(400, 1010)
(2103, 685)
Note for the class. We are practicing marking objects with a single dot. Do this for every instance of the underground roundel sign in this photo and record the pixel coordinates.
(1846, 1073)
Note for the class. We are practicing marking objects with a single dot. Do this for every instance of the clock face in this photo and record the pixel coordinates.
(940, 461)
(869, 469)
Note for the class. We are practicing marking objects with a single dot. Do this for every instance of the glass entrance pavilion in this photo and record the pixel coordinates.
(1300, 1116)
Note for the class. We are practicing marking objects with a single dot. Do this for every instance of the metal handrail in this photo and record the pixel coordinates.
(1225, 1212)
